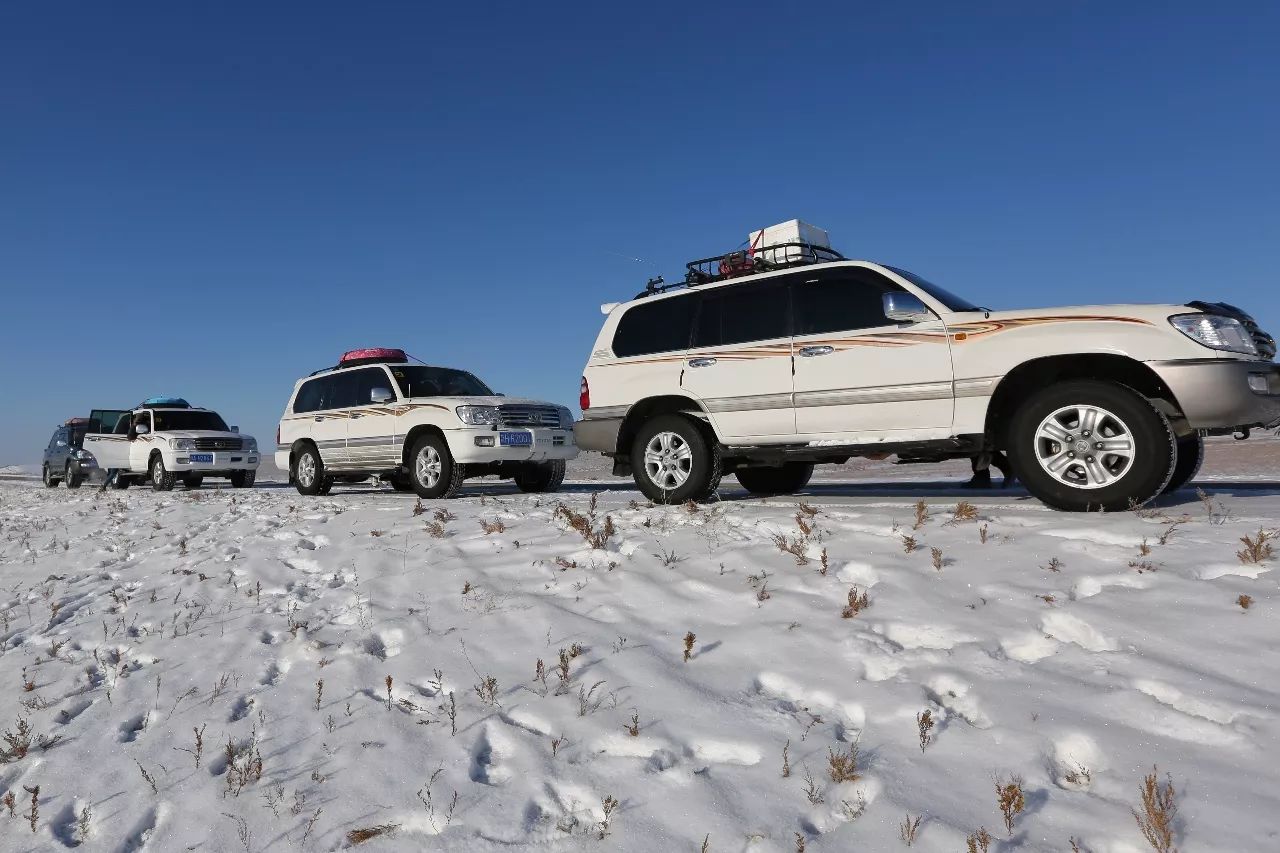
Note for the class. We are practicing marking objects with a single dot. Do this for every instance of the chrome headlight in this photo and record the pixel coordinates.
(84, 456)
(182, 444)
(1215, 332)
(478, 415)
(251, 445)
(566, 418)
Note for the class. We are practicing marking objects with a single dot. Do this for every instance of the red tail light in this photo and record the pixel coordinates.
(584, 396)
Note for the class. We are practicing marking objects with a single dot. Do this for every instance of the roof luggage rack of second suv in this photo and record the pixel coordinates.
(744, 262)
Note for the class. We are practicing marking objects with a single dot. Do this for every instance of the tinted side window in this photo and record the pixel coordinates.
(310, 396)
(661, 326)
(841, 302)
(364, 381)
(739, 315)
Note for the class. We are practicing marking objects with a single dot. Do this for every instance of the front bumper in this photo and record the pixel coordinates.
(1221, 394)
(222, 460)
(472, 446)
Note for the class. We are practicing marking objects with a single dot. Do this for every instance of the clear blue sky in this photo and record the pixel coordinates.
(214, 199)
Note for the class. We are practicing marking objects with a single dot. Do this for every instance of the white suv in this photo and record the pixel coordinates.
(422, 428)
(766, 363)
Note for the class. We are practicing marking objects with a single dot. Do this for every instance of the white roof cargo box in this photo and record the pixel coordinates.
(791, 231)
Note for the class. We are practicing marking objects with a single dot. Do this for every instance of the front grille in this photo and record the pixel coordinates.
(218, 444)
(517, 415)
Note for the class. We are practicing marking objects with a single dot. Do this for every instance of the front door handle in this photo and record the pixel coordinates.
(701, 362)
(355, 415)
(317, 419)
(810, 352)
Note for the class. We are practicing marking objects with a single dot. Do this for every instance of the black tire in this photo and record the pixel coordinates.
(162, 479)
(400, 484)
(243, 479)
(536, 477)
(193, 481)
(704, 470)
(1153, 449)
(50, 481)
(308, 472)
(1190, 458)
(121, 482)
(786, 479)
(73, 477)
(432, 471)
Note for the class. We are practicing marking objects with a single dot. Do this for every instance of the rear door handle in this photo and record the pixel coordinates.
(810, 352)
(355, 415)
(317, 419)
(701, 362)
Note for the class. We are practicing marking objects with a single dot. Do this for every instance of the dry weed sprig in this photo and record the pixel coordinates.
(924, 727)
(1245, 601)
(982, 534)
(796, 547)
(909, 543)
(858, 602)
(34, 815)
(487, 690)
(978, 842)
(811, 792)
(800, 844)
(319, 692)
(842, 766)
(1159, 808)
(147, 776)
(922, 514)
(1143, 548)
(824, 564)
(1010, 801)
(689, 639)
(388, 681)
(964, 511)
(786, 759)
(368, 833)
(909, 829)
(9, 802)
(491, 527)
(937, 558)
(634, 728)
(607, 806)
(585, 525)
(1257, 549)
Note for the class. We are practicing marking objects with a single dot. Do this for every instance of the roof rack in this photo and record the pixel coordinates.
(165, 403)
(745, 262)
(368, 355)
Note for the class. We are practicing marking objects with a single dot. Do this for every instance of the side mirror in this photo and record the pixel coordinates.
(380, 395)
(235, 428)
(141, 429)
(903, 307)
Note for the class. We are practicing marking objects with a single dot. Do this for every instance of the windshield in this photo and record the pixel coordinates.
(183, 419)
(422, 381)
(946, 297)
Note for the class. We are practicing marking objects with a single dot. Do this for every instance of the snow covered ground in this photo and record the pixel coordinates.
(1071, 652)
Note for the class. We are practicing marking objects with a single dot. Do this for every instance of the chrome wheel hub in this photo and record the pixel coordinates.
(668, 460)
(429, 466)
(306, 473)
(1085, 447)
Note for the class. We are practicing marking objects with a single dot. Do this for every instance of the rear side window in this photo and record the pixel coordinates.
(739, 315)
(310, 396)
(651, 327)
(842, 301)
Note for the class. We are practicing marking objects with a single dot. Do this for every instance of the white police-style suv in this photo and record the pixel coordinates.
(165, 440)
(422, 428)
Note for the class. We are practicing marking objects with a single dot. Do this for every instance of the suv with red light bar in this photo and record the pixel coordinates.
(420, 427)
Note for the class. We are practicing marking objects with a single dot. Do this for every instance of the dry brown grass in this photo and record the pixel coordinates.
(909, 543)
(797, 547)
(689, 639)
(786, 759)
(1143, 548)
(1245, 601)
(586, 525)
(368, 833)
(1054, 565)
(1010, 800)
(937, 558)
(858, 602)
(1257, 549)
(634, 728)
(924, 727)
(978, 842)
(964, 511)
(1159, 808)
(922, 514)
(492, 527)
(982, 534)
(842, 766)
(909, 829)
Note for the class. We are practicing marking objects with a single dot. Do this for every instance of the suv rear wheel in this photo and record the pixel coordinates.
(541, 476)
(50, 481)
(162, 479)
(73, 477)
(1091, 445)
(673, 462)
(783, 479)
(308, 472)
(243, 479)
(1190, 458)
(193, 481)
(432, 471)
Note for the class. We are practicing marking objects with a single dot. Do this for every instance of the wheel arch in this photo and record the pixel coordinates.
(414, 434)
(1031, 376)
(649, 407)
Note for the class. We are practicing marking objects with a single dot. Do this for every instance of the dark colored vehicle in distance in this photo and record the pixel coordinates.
(64, 460)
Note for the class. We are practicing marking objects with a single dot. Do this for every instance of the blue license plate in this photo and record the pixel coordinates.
(202, 457)
(515, 439)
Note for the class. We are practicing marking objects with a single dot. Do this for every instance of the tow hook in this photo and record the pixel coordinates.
(1242, 434)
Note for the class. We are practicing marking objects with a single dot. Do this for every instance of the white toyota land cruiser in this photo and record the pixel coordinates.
(422, 428)
(165, 440)
(787, 355)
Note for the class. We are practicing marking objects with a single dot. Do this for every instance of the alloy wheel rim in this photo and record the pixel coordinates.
(157, 472)
(307, 470)
(668, 460)
(429, 466)
(1085, 446)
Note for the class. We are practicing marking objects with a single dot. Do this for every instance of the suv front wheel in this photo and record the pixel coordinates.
(432, 471)
(1092, 445)
(673, 462)
(162, 479)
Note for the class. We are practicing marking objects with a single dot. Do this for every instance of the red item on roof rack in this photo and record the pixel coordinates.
(75, 421)
(373, 354)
